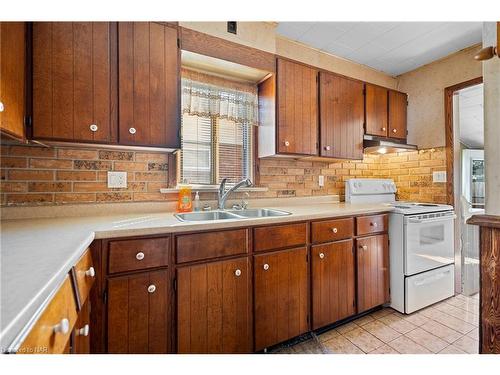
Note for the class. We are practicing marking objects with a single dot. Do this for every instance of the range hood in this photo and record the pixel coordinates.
(381, 145)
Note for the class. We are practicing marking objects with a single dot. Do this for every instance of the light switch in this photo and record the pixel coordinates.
(321, 181)
(117, 179)
(439, 176)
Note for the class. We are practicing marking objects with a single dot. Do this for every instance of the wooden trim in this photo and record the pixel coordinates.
(448, 117)
(208, 45)
(491, 221)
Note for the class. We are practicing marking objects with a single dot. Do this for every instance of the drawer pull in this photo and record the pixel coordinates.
(237, 273)
(90, 272)
(266, 267)
(93, 127)
(321, 255)
(132, 131)
(152, 288)
(327, 148)
(364, 247)
(287, 143)
(62, 327)
(383, 129)
(394, 130)
(84, 331)
(2, 108)
(374, 224)
(335, 230)
(139, 255)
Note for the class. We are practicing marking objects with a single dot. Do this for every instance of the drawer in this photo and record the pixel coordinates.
(199, 246)
(85, 276)
(371, 224)
(130, 255)
(52, 331)
(332, 230)
(279, 236)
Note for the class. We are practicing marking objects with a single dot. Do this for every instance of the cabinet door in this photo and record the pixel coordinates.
(148, 59)
(12, 78)
(297, 108)
(214, 307)
(398, 102)
(74, 81)
(138, 320)
(342, 116)
(376, 110)
(373, 271)
(333, 282)
(281, 296)
(81, 331)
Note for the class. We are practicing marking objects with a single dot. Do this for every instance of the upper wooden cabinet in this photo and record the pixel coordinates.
(297, 103)
(12, 78)
(74, 81)
(148, 58)
(342, 117)
(398, 103)
(376, 110)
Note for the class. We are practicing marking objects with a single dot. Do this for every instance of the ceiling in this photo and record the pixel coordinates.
(470, 112)
(391, 47)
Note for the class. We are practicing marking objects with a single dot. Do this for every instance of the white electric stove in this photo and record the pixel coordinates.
(421, 245)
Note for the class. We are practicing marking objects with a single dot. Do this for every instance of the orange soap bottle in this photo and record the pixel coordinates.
(185, 202)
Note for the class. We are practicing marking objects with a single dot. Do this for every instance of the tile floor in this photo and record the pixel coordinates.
(448, 327)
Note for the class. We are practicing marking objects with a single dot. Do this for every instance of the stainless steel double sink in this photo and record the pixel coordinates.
(230, 214)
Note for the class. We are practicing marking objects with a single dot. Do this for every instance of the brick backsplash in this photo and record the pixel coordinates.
(33, 175)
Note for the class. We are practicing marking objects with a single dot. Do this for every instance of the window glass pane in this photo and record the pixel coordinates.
(196, 141)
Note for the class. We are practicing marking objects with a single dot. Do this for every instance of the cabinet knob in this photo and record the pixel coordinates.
(132, 131)
(383, 129)
(327, 148)
(287, 143)
(394, 130)
(139, 255)
(266, 267)
(62, 327)
(151, 288)
(374, 225)
(1, 107)
(93, 127)
(321, 255)
(364, 247)
(84, 331)
(90, 272)
(335, 230)
(237, 273)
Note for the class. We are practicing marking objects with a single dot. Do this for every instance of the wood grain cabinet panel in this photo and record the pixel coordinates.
(130, 255)
(138, 320)
(297, 98)
(280, 296)
(333, 282)
(376, 110)
(85, 275)
(279, 236)
(372, 224)
(214, 307)
(148, 58)
(80, 339)
(398, 103)
(12, 78)
(332, 230)
(74, 81)
(341, 116)
(373, 271)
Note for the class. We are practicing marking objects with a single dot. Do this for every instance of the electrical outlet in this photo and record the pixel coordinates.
(439, 176)
(321, 181)
(117, 179)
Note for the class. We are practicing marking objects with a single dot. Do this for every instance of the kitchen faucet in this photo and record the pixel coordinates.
(224, 194)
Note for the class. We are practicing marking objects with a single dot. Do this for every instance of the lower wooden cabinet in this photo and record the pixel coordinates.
(81, 332)
(281, 296)
(333, 282)
(138, 313)
(214, 307)
(373, 271)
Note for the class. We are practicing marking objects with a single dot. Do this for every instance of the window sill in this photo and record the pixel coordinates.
(212, 189)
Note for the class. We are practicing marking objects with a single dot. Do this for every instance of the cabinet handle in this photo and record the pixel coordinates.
(151, 288)
(364, 247)
(93, 127)
(139, 255)
(132, 131)
(1, 107)
(84, 331)
(321, 255)
(335, 230)
(394, 130)
(327, 148)
(287, 143)
(266, 267)
(237, 273)
(62, 327)
(383, 129)
(374, 224)
(90, 272)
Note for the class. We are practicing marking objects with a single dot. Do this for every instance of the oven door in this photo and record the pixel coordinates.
(428, 241)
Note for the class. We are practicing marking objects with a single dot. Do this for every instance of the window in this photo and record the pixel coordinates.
(217, 132)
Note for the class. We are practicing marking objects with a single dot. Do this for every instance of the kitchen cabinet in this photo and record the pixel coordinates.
(297, 103)
(12, 78)
(398, 103)
(74, 81)
(80, 338)
(148, 59)
(138, 313)
(376, 110)
(281, 297)
(372, 259)
(341, 116)
(333, 282)
(214, 312)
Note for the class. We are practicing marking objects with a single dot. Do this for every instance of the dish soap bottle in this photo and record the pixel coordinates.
(185, 202)
(197, 204)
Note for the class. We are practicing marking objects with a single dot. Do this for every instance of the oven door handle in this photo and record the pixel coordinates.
(423, 221)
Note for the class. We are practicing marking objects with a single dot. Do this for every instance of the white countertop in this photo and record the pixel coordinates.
(36, 254)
